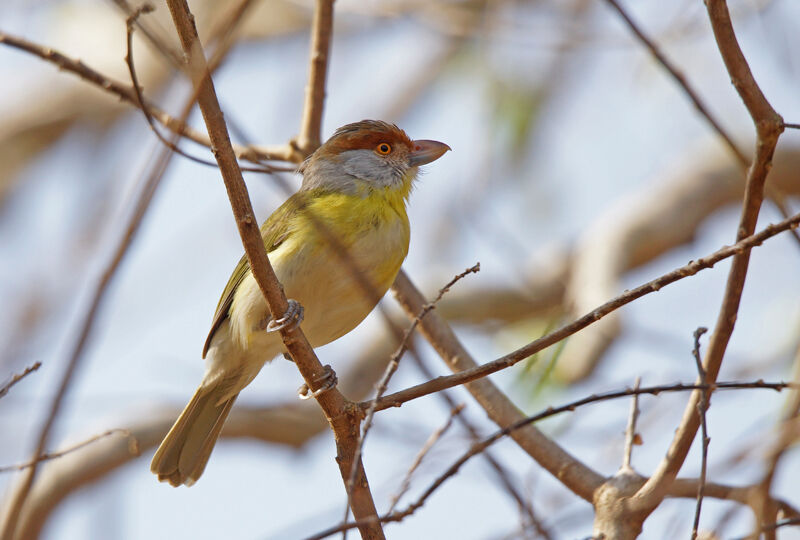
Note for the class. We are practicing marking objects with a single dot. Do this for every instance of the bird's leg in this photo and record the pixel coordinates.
(291, 319)
(328, 379)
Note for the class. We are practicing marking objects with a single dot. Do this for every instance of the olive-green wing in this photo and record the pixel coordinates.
(274, 231)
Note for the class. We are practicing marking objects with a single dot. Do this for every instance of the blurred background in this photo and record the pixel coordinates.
(579, 169)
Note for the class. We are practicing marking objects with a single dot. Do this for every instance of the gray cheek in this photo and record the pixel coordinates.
(365, 165)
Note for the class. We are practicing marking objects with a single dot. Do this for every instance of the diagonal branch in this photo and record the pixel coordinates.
(18, 377)
(769, 126)
(574, 474)
(333, 403)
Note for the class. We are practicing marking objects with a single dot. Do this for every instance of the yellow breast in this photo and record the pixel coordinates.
(372, 232)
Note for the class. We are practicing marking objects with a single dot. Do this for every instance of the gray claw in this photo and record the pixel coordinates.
(290, 320)
(329, 381)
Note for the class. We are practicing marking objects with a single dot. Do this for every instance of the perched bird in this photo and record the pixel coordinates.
(353, 200)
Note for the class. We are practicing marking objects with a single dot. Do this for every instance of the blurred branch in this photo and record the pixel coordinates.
(18, 377)
(336, 407)
(530, 519)
(638, 229)
(630, 430)
(769, 126)
(432, 440)
(682, 82)
(775, 194)
(149, 185)
(292, 424)
(788, 434)
(574, 474)
(401, 287)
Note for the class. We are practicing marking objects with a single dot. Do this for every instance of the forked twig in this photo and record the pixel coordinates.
(391, 368)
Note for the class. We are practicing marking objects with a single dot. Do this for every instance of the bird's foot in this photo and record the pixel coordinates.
(328, 380)
(290, 320)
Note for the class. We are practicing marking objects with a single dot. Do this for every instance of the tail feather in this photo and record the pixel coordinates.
(185, 450)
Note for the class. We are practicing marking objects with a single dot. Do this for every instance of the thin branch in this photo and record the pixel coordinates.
(426, 448)
(321, 31)
(769, 126)
(18, 377)
(481, 446)
(391, 368)
(702, 407)
(481, 371)
(167, 51)
(47, 456)
(333, 403)
(631, 436)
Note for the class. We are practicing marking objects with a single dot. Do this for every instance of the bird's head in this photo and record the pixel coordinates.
(367, 155)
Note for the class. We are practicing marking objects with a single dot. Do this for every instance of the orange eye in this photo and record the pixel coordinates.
(383, 148)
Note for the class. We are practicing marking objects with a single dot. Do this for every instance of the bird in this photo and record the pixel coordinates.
(352, 199)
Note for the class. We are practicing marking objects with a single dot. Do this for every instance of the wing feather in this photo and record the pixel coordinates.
(274, 232)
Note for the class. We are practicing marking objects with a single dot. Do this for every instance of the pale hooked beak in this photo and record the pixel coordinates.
(426, 151)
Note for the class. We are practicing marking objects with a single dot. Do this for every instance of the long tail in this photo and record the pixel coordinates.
(185, 450)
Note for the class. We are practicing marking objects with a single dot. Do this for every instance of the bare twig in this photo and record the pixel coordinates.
(478, 372)
(18, 377)
(391, 368)
(333, 403)
(702, 407)
(630, 431)
(769, 126)
(47, 456)
(321, 30)
(432, 440)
